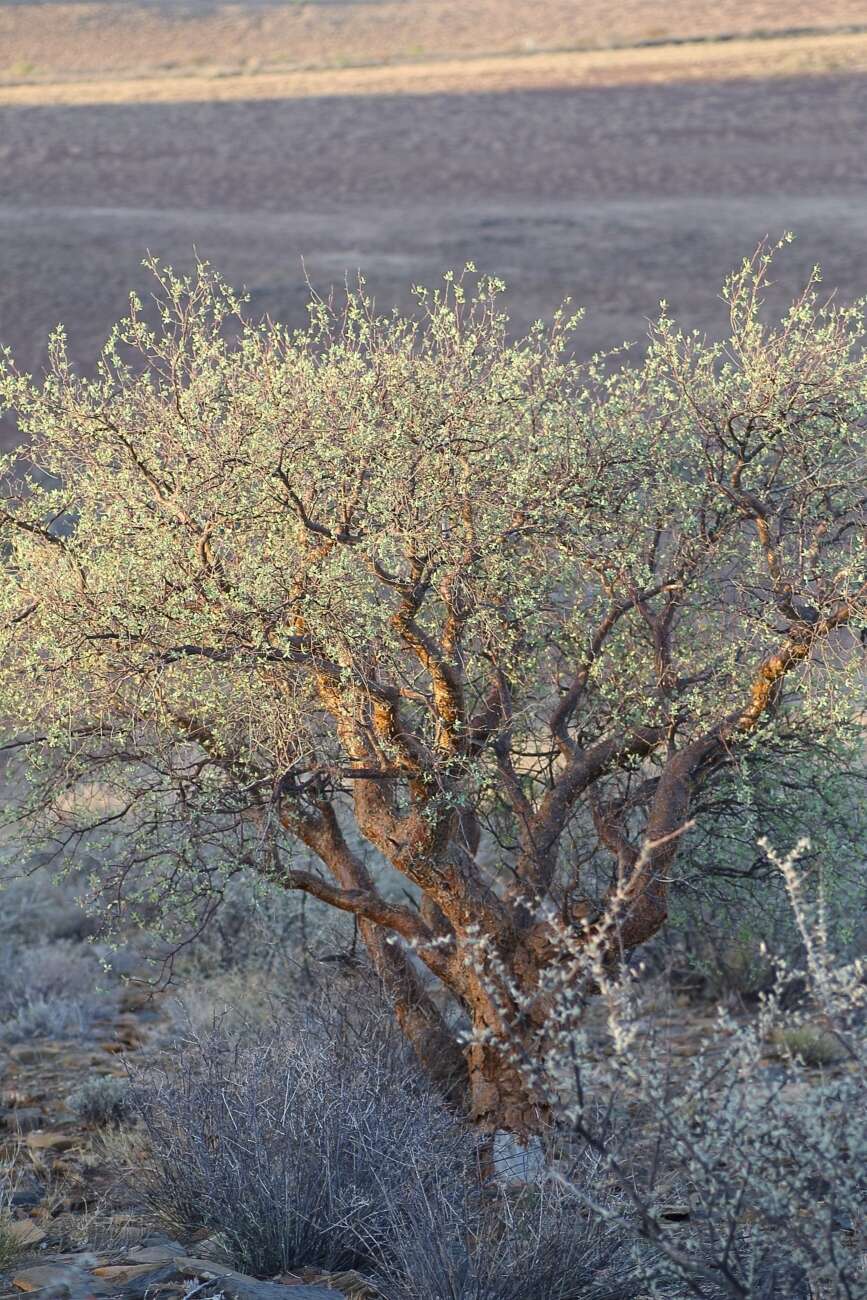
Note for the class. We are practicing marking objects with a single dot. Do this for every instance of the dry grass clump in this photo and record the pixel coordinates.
(10, 1245)
(316, 1141)
(49, 990)
(101, 1100)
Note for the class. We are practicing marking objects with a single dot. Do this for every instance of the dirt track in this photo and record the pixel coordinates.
(615, 194)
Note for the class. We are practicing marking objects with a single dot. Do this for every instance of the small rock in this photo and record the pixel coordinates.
(60, 1291)
(45, 1276)
(27, 1195)
(241, 1287)
(25, 1232)
(121, 1273)
(159, 1254)
(145, 1285)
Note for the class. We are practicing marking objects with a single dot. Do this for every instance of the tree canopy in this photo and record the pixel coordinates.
(407, 594)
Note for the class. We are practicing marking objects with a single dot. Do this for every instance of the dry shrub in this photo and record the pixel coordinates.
(457, 1240)
(742, 1175)
(102, 1099)
(317, 1142)
(50, 990)
(287, 1143)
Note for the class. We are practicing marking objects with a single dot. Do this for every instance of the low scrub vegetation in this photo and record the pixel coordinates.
(735, 1172)
(53, 982)
(50, 990)
(101, 1100)
(319, 1142)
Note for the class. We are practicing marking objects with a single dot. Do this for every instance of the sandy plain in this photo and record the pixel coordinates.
(567, 166)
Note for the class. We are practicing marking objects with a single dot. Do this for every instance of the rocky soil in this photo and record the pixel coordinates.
(76, 1231)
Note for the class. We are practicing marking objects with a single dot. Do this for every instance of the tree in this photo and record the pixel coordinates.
(393, 602)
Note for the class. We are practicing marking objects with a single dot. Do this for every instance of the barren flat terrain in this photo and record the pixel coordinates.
(615, 175)
(85, 37)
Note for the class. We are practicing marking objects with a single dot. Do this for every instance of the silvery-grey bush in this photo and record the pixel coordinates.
(103, 1099)
(50, 990)
(459, 1239)
(288, 1142)
(743, 1168)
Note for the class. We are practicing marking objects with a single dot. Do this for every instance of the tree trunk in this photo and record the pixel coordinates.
(500, 1098)
(437, 1049)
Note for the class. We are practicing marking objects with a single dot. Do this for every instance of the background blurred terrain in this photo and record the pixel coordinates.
(618, 151)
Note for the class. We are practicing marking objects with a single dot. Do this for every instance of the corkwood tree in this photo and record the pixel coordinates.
(431, 625)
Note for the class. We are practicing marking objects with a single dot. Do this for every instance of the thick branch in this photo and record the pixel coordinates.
(582, 770)
(361, 902)
(669, 810)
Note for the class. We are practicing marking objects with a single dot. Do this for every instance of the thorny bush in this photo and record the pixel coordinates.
(743, 1167)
